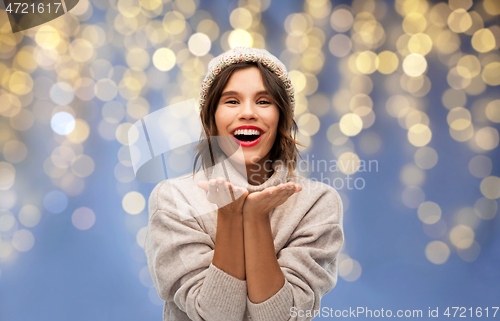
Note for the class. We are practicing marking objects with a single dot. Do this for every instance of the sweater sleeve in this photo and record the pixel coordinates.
(309, 263)
(179, 254)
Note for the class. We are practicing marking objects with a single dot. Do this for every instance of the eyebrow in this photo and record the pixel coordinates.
(232, 92)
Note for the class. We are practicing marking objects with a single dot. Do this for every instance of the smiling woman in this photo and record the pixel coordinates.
(271, 246)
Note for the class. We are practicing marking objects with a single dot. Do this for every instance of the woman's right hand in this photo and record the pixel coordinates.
(219, 193)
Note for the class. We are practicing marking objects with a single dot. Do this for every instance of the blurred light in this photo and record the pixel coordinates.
(55, 202)
(63, 123)
(351, 124)
(491, 74)
(459, 118)
(492, 7)
(468, 66)
(133, 203)
(411, 175)
(141, 236)
(456, 78)
(426, 157)
(7, 176)
(490, 187)
(81, 50)
(340, 45)
(240, 18)
(164, 59)
(437, 252)
(387, 62)
(29, 215)
(483, 40)
(414, 65)
(420, 43)
(199, 44)
(493, 111)
(414, 23)
(436, 230)
(83, 218)
(105, 89)
(486, 208)
(419, 135)
(480, 166)
(80, 133)
(23, 240)
(15, 151)
(20, 83)
(82, 166)
(349, 163)
(240, 37)
(7, 221)
(487, 138)
(462, 236)
(459, 21)
(341, 20)
(349, 269)
(457, 4)
(412, 196)
(429, 212)
(298, 80)
(308, 124)
(366, 62)
(137, 58)
(174, 22)
(471, 253)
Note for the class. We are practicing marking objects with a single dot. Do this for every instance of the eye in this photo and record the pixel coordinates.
(262, 102)
(232, 102)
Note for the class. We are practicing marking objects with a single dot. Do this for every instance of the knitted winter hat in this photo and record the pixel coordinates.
(242, 54)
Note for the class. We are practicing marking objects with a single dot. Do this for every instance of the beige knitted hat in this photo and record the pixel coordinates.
(242, 54)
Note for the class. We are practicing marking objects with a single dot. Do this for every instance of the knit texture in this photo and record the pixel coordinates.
(308, 236)
(242, 54)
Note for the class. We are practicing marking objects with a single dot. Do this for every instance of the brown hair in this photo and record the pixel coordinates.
(284, 148)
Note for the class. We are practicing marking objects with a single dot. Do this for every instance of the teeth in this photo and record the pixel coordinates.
(246, 132)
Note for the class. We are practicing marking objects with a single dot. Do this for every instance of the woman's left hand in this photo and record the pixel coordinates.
(259, 204)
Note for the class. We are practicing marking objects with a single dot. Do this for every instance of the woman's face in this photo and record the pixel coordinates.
(245, 102)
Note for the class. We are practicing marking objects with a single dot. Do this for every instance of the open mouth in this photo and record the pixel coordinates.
(247, 135)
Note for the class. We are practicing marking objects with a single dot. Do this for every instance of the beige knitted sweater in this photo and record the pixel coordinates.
(308, 236)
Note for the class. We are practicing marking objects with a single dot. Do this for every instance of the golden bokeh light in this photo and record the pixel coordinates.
(426, 157)
(459, 20)
(437, 252)
(414, 65)
(419, 135)
(351, 124)
(462, 236)
(133, 203)
(483, 40)
(349, 163)
(414, 23)
(386, 62)
(491, 74)
(490, 187)
(240, 37)
(80, 133)
(429, 212)
(487, 138)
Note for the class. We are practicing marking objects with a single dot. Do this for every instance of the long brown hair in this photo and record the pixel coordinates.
(284, 148)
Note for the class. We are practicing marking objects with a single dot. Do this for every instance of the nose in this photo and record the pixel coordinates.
(248, 110)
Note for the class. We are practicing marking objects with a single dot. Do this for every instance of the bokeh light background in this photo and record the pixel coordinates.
(412, 84)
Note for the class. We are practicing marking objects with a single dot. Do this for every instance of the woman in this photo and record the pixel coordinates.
(269, 252)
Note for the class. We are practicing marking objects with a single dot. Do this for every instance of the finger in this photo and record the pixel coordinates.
(203, 185)
(212, 188)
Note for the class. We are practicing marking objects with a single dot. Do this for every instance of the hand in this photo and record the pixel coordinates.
(259, 204)
(227, 197)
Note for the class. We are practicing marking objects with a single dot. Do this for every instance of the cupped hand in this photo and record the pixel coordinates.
(228, 198)
(259, 204)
